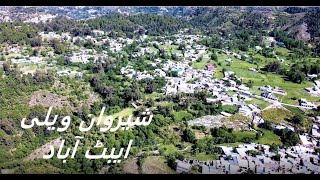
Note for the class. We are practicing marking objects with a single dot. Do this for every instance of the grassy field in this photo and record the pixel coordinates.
(172, 48)
(277, 115)
(236, 144)
(156, 165)
(260, 103)
(154, 95)
(205, 157)
(13, 55)
(178, 116)
(153, 49)
(283, 52)
(240, 67)
(165, 104)
(202, 64)
(294, 90)
(124, 113)
(269, 138)
(241, 135)
(168, 149)
(218, 74)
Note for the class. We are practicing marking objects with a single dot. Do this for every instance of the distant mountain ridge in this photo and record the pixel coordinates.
(300, 22)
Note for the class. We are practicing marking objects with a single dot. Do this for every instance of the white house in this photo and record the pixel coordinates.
(315, 131)
(183, 167)
(229, 60)
(305, 103)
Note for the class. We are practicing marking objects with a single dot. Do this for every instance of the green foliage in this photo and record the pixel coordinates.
(253, 153)
(58, 47)
(223, 135)
(171, 160)
(288, 138)
(273, 67)
(189, 136)
(312, 19)
(290, 42)
(181, 115)
(14, 33)
(155, 25)
(208, 146)
(245, 136)
(230, 109)
(276, 157)
(199, 127)
(298, 119)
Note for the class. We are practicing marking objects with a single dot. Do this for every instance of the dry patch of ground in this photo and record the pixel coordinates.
(47, 99)
(176, 130)
(131, 167)
(156, 165)
(7, 171)
(45, 149)
(41, 169)
(237, 122)
(92, 98)
(199, 135)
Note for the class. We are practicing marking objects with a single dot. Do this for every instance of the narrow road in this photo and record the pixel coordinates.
(280, 103)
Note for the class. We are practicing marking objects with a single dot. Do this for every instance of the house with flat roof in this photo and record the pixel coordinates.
(269, 95)
(315, 131)
(305, 103)
(229, 60)
(281, 44)
(183, 167)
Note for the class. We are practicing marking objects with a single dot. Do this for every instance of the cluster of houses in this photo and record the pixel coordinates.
(85, 55)
(297, 159)
(268, 92)
(7, 15)
(234, 54)
(258, 159)
(40, 17)
(53, 35)
(131, 73)
(192, 51)
(29, 60)
(142, 51)
(189, 80)
(275, 90)
(70, 73)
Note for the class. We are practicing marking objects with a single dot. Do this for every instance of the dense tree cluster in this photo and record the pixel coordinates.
(297, 72)
(312, 19)
(290, 42)
(14, 33)
(288, 138)
(136, 25)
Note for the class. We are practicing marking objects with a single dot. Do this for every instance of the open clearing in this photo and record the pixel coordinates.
(156, 165)
(131, 167)
(277, 115)
(269, 138)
